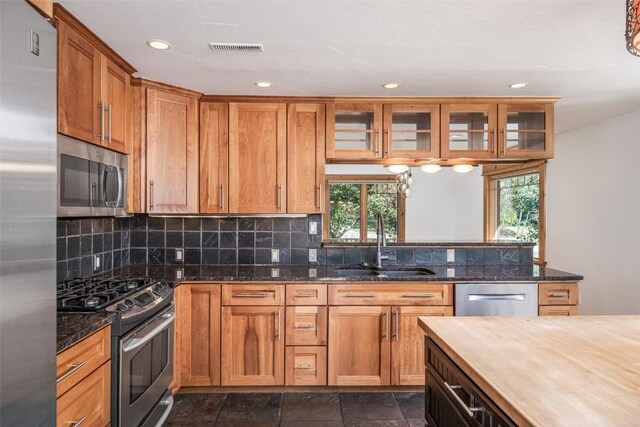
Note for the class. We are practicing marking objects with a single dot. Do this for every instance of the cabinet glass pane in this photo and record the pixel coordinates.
(525, 141)
(462, 121)
(525, 120)
(468, 141)
(411, 120)
(354, 130)
(411, 141)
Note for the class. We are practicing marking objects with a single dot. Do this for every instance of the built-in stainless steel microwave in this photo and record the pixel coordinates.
(91, 179)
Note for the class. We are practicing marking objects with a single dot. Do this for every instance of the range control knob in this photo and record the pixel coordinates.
(129, 303)
(160, 287)
(122, 307)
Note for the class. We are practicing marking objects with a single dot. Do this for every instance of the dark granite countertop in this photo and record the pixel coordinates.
(426, 243)
(289, 273)
(73, 327)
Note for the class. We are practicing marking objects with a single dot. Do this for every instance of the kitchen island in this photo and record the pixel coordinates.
(545, 371)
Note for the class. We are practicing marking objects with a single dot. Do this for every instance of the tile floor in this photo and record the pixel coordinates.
(299, 409)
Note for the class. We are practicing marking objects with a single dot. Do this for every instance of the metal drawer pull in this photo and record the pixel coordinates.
(418, 296)
(221, 197)
(396, 325)
(110, 111)
(305, 367)
(559, 294)
(468, 410)
(74, 368)
(264, 295)
(306, 295)
(77, 423)
(497, 297)
(305, 326)
(360, 295)
(101, 127)
(278, 326)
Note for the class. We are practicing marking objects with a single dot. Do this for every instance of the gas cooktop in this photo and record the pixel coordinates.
(96, 294)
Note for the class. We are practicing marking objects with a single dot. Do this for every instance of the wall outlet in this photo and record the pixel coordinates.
(179, 254)
(275, 272)
(96, 262)
(451, 272)
(179, 274)
(275, 255)
(313, 255)
(313, 227)
(451, 255)
(313, 272)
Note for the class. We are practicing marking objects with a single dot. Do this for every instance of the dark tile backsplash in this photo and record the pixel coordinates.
(142, 239)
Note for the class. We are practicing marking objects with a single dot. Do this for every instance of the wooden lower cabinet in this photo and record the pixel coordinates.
(199, 338)
(306, 325)
(558, 310)
(88, 402)
(306, 365)
(359, 350)
(407, 352)
(252, 345)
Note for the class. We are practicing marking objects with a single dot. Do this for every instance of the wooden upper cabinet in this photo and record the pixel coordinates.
(359, 349)
(199, 326)
(257, 158)
(214, 157)
(172, 153)
(354, 131)
(252, 345)
(411, 131)
(468, 131)
(525, 131)
(116, 98)
(407, 351)
(305, 157)
(79, 98)
(93, 93)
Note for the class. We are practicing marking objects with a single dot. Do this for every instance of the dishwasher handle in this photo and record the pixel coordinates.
(497, 297)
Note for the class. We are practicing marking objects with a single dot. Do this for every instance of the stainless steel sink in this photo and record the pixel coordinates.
(384, 272)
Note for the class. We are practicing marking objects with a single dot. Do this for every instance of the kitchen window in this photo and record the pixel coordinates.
(514, 205)
(354, 202)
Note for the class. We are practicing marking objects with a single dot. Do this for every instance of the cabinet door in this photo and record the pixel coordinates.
(199, 325)
(79, 113)
(252, 346)
(468, 131)
(407, 350)
(214, 157)
(89, 400)
(305, 157)
(354, 131)
(306, 325)
(172, 153)
(116, 98)
(526, 131)
(411, 131)
(359, 347)
(257, 157)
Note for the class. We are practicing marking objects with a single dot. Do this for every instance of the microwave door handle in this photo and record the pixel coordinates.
(105, 171)
(119, 197)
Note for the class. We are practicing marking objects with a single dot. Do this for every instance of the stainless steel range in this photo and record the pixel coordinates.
(141, 343)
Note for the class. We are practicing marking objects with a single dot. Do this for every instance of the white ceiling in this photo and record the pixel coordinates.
(574, 49)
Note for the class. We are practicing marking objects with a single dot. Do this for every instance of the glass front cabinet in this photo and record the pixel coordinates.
(411, 131)
(354, 131)
(469, 131)
(525, 131)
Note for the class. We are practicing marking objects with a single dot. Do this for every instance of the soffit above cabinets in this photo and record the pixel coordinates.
(351, 48)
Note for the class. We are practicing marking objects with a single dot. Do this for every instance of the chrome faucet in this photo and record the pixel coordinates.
(381, 240)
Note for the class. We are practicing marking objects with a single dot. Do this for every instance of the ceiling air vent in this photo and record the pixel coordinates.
(236, 47)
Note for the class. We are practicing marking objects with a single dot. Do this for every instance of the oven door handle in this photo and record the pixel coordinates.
(167, 319)
(168, 402)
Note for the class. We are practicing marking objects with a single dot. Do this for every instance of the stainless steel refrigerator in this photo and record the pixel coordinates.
(27, 216)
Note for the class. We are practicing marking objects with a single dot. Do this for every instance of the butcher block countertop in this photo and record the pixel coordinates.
(549, 371)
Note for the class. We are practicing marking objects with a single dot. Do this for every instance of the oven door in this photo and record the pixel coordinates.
(146, 368)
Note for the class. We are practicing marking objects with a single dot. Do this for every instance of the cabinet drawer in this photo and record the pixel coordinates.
(558, 310)
(79, 360)
(306, 325)
(307, 294)
(306, 365)
(392, 294)
(88, 402)
(558, 293)
(253, 294)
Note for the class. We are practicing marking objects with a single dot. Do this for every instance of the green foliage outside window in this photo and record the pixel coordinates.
(518, 201)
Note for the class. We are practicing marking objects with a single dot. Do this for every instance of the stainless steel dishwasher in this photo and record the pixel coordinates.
(496, 299)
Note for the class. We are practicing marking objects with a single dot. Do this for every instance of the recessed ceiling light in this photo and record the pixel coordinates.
(158, 44)
(391, 85)
(263, 84)
(463, 168)
(518, 85)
